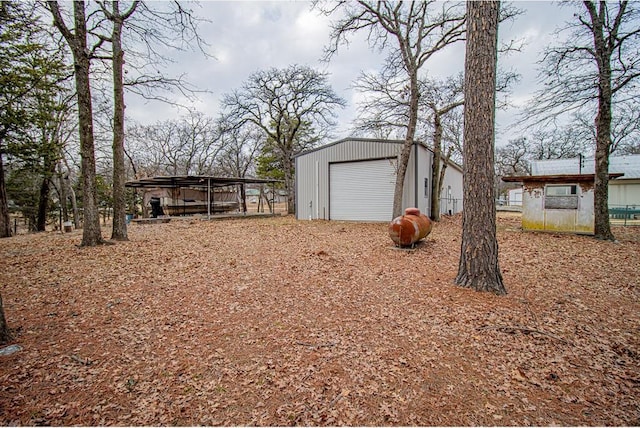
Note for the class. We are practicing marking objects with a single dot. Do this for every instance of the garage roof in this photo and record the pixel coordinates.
(373, 140)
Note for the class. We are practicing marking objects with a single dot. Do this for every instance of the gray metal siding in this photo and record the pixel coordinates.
(348, 150)
(362, 190)
(312, 173)
(452, 178)
(425, 158)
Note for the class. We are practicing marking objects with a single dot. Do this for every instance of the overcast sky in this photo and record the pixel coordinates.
(247, 36)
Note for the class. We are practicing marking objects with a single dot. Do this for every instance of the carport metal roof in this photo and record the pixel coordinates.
(202, 181)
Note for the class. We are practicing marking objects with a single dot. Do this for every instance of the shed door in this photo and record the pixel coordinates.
(362, 190)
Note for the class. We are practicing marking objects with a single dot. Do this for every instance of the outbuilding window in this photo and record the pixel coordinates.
(561, 196)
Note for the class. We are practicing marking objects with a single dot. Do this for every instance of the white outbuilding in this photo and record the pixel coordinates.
(354, 179)
(623, 192)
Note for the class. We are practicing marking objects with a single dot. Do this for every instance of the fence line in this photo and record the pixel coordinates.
(629, 214)
(449, 206)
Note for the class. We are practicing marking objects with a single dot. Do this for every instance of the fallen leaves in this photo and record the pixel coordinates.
(284, 322)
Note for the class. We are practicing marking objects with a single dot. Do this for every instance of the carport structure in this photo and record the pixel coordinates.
(203, 183)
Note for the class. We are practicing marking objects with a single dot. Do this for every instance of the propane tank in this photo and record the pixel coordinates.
(409, 228)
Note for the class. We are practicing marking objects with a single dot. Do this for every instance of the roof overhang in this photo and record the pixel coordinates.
(558, 178)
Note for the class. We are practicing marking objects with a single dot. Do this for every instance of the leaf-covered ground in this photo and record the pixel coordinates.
(282, 322)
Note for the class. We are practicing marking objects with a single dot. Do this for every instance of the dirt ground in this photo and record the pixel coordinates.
(275, 321)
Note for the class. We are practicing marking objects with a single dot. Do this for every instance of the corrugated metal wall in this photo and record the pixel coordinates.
(421, 185)
(362, 190)
(452, 203)
(624, 192)
(312, 173)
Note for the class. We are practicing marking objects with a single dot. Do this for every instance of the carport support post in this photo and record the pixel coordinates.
(626, 214)
(208, 199)
(273, 201)
(243, 195)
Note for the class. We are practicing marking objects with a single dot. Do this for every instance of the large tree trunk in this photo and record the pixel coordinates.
(74, 208)
(289, 185)
(478, 268)
(63, 195)
(439, 165)
(4, 329)
(243, 197)
(5, 221)
(403, 162)
(77, 41)
(602, 225)
(91, 233)
(45, 190)
(43, 205)
(443, 171)
(436, 185)
(71, 194)
(119, 232)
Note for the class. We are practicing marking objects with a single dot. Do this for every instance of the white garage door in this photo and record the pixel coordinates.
(362, 190)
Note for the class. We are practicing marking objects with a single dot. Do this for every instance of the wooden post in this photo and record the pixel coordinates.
(208, 199)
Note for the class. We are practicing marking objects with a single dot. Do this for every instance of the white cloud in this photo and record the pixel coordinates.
(308, 30)
(248, 36)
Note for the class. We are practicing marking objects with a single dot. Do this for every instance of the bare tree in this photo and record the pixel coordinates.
(117, 19)
(453, 136)
(294, 107)
(478, 268)
(385, 107)
(199, 136)
(239, 150)
(145, 26)
(240, 146)
(151, 150)
(77, 41)
(414, 32)
(385, 112)
(51, 135)
(516, 156)
(593, 70)
(69, 175)
(557, 143)
(441, 98)
(513, 158)
(185, 146)
(154, 28)
(625, 128)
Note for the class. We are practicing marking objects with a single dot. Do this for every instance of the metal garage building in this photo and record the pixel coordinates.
(354, 178)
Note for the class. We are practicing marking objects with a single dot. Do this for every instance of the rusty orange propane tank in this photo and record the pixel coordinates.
(409, 228)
